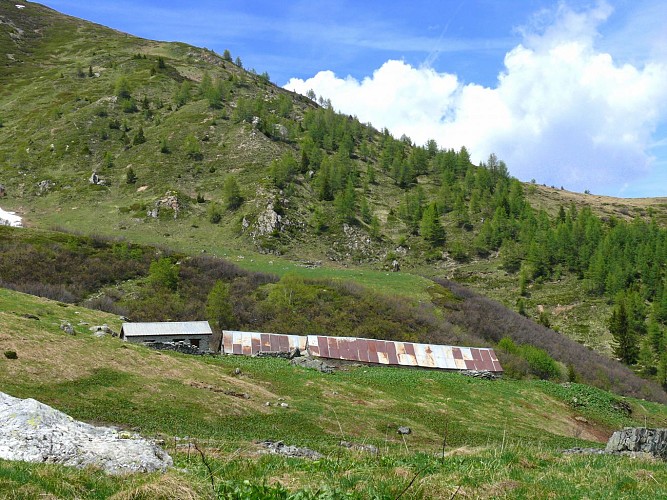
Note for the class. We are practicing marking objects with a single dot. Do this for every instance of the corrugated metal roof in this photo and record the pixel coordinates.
(167, 328)
(249, 343)
(387, 352)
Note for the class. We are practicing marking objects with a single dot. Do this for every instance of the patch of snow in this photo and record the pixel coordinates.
(19, 6)
(10, 219)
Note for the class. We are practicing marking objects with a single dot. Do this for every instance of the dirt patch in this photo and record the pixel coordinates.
(213, 388)
(561, 309)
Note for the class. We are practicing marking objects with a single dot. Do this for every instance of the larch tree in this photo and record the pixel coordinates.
(625, 346)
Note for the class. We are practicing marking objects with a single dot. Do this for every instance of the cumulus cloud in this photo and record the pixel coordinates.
(562, 111)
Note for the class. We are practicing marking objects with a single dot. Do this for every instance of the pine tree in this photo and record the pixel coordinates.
(232, 193)
(365, 210)
(662, 370)
(346, 202)
(375, 227)
(430, 228)
(130, 176)
(323, 182)
(164, 146)
(108, 160)
(139, 137)
(625, 345)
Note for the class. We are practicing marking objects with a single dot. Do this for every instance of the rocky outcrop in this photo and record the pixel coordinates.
(633, 442)
(96, 180)
(170, 201)
(34, 432)
(44, 186)
(280, 448)
(639, 440)
(269, 222)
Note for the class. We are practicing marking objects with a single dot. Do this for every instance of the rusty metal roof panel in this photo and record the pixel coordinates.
(403, 353)
(249, 343)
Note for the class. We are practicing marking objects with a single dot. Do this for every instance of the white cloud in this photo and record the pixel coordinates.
(562, 112)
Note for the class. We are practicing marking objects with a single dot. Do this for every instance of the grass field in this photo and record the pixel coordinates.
(502, 437)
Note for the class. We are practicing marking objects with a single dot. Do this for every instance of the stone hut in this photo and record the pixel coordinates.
(194, 333)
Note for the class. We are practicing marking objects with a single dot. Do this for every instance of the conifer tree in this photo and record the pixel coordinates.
(232, 193)
(625, 346)
(346, 202)
(430, 228)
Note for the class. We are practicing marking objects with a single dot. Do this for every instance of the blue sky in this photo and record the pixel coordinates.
(570, 94)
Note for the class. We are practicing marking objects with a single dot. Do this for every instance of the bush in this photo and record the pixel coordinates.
(11, 355)
(538, 360)
(214, 213)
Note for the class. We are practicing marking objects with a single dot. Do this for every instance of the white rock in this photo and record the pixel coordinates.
(10, 219)
(31, 431)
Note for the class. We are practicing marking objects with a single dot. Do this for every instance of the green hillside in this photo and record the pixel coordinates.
(167, 144)
(501, 438)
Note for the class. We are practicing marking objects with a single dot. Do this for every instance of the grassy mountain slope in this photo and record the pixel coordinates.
(179, 122)
(501, 436)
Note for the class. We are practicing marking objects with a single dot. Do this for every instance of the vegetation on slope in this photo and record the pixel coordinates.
(150, 285)
(190, 149)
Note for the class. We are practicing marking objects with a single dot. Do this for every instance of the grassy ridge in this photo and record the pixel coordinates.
(501, 435)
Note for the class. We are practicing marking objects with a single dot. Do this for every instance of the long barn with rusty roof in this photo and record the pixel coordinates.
(369, 351)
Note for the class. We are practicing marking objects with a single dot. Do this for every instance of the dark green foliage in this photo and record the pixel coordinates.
(193, 148)
(122, 88)
(625, 346)
(163, 273)
(430, 227)
(319, 221)
(107, 160)
(164, 146)
(219, 309)
(227, 56)
(11, 355)
(375, 227)
(130, 176)
(492, 321)
(160, 63)
(214, 213)
(182, 94)
(346, 202)
(139, 137)
(411, 209)
(365, 211)
(214, 91)
(232, 193)
(128, 105)
(65, 267)
(283, 170)
(323, 182)
(539, 362)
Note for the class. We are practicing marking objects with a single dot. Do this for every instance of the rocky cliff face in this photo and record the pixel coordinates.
(34, 432)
